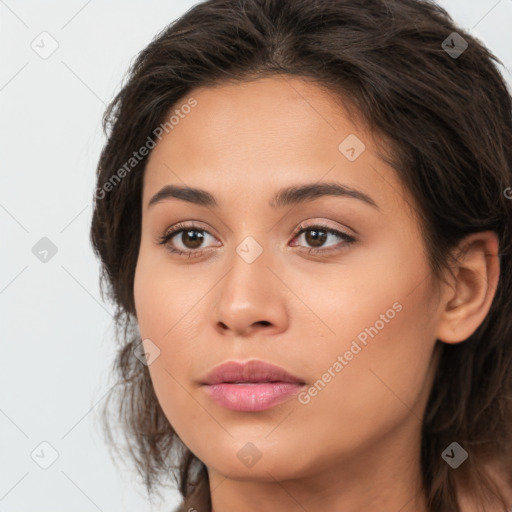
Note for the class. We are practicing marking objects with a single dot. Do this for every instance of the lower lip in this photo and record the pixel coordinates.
(248, 397)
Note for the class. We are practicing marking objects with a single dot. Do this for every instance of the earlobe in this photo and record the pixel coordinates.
(472, 289)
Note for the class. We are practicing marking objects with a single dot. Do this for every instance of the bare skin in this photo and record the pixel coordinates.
(353, 445)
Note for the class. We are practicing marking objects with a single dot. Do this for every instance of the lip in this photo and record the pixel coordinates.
(250, 386)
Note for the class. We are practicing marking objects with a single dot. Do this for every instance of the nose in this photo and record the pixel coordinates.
(250, 299)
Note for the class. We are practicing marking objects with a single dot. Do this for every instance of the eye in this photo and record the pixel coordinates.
(317, 235)
(192, 236)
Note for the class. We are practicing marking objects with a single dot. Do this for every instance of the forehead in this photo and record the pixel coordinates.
(264, 134)
(273, 112)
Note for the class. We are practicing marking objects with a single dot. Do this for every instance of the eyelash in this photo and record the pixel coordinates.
(163, 240)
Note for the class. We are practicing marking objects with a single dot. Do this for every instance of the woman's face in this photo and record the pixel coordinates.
(349, 312)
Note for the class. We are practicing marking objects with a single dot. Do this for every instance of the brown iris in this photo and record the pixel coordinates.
(195, 236)
(316, 239)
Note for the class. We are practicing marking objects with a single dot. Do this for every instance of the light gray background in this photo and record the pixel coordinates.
(57, 344)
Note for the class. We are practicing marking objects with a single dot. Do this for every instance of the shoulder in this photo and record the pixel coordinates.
(504, 484)
(503, 481)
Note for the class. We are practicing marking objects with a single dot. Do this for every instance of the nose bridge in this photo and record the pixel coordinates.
(248, 278)
(247, 293)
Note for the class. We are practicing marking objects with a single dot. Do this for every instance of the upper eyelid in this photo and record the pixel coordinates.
(323, 224)
(183, 226)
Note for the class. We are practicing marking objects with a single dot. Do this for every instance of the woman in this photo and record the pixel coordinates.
(304, 220)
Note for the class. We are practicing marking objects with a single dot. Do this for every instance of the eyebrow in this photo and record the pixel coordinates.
(288, 196)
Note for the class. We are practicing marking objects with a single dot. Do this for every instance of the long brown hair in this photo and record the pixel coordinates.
(448, 120)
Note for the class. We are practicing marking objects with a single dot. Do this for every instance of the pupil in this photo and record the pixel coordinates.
(196, 240)
(316, 240)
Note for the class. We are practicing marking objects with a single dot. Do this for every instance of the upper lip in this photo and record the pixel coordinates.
(249, 371)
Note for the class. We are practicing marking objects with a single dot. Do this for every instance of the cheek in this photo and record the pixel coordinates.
(374, 377)
(169, 313)
(372, 370)
(382, 304)
(165, 297)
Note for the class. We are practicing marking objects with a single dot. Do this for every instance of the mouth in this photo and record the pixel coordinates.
(251, 386)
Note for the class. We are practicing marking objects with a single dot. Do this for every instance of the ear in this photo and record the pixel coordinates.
(468, 299)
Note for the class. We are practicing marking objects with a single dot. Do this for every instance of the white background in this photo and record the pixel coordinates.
(56, 334)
